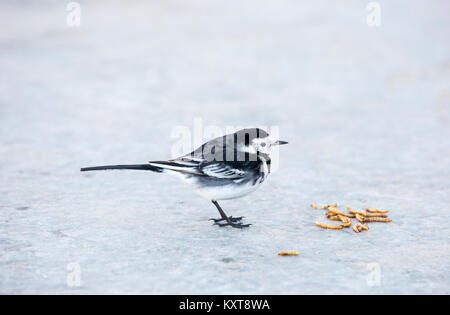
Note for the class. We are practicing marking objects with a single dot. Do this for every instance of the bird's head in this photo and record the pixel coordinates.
(256, 140)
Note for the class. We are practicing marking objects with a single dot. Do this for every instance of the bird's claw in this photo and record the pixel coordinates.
(231, 218)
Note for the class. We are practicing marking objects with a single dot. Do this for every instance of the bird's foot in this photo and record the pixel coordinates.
(232, 224)
(230, 218)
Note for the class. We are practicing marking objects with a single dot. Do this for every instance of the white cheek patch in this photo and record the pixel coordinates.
(263, 144)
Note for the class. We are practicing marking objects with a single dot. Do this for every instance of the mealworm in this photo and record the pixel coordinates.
(376, 210)
(329, 226)
(332, 205)
(359, 227)
(336, 211)
(288, 253)
(375, 219)
(375, 215)
(365, 227)
(355, 212)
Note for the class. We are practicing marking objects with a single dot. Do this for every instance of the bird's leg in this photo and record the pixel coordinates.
(223, 215)
(230, 220)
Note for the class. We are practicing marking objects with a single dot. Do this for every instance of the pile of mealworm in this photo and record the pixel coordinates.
(363, 216)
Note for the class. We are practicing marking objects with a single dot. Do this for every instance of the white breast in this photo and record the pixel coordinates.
(225, 192)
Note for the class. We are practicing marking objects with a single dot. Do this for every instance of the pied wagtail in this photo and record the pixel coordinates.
(224, 168)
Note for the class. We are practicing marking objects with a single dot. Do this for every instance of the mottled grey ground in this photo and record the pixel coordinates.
(365, 109)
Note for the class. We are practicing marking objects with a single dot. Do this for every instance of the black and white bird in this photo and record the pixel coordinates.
(226, 167)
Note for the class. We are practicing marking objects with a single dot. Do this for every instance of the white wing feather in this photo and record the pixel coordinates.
(219, 170)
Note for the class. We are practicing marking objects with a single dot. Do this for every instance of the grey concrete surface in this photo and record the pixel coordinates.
(365, 109)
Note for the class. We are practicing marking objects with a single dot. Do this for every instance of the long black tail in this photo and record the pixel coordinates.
(142, 167)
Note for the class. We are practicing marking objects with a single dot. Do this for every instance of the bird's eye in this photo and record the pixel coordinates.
(263, 144)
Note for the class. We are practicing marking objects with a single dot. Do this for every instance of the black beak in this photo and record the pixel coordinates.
(280, 142)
